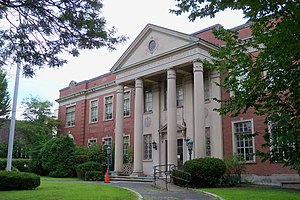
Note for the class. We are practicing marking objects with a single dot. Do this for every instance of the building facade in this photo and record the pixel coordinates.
(157, 97)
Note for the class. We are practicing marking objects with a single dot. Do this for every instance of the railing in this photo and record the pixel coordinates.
(166, 173)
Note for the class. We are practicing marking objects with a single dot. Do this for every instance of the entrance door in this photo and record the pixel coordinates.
(179, 152)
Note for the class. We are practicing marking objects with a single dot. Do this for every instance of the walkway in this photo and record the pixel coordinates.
(151, 193)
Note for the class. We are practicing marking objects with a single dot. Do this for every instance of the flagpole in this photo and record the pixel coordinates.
(13, 120)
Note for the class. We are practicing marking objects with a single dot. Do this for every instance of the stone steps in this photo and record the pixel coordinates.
(131, 178)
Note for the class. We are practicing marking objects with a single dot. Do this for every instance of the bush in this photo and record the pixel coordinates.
(228, 180)
(205, 172)
(180, 177)
(58, 157)
(87, 167)
(21, 164)
(18, 180)
(94, 176)
(235, 165)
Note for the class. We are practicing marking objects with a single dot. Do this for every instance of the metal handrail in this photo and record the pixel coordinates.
(165, 172)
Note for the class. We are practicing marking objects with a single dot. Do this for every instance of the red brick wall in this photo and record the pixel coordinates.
(83, 129)
(258, 167)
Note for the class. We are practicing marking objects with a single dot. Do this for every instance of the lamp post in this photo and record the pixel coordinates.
(189, 144)
(108, 152)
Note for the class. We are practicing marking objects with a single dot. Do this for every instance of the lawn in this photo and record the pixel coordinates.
(69, 189)
(255, 192)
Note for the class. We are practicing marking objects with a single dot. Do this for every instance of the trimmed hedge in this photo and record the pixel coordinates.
(205, 172)
(180, 177)
(21, 164)
(18, 180)
(94, 176)
(57, 157)
(83, 168)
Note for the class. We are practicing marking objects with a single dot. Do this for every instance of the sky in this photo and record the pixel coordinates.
(129, 17)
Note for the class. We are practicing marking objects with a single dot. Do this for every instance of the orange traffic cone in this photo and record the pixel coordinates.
(107, 177)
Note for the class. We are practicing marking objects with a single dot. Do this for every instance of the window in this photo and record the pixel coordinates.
(148, 147)
(206, 86)
(107, 141)
(108, 107)
(126, 149)
(239, 88)
(126, 104)
(148, 101)
(244, 143)
(94, 111)
(179, 95)
(92, 142)
(70, 116)
(207, 142)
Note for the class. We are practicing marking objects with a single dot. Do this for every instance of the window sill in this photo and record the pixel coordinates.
(69, 126)
(107, 120)
(150, 160)
(148, 113)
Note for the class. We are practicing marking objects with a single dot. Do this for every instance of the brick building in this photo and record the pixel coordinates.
(158, 96)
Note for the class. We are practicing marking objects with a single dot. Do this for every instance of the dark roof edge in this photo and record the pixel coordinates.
(89, 80)
(206, 29)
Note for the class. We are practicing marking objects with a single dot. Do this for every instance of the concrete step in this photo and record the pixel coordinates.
(131, 178)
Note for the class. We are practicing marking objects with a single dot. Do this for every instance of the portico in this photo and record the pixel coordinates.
(165, 70)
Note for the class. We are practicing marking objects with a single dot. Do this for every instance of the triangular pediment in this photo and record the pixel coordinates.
(152, 42)
(180, 127)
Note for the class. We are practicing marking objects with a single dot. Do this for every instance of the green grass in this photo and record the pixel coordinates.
(69, 189)
(255, 192)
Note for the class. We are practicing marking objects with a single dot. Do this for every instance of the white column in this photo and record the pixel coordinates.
(119, 129)
(172, 117)
(199, 115)
(138, 127)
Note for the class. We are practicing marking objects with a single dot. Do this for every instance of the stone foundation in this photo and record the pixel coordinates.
(273, 179)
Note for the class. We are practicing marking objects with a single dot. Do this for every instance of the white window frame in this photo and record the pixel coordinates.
(179, 98)
(105, 139)
(112, 108)
(206, 85)
(208, 142)
(148, 106)
(234, 139)
(127, 101)
(92, 141)
(73, 113)
(147, 145)
(128, 146)
(96, 111)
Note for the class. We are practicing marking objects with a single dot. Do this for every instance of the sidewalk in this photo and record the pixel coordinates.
(149, 192)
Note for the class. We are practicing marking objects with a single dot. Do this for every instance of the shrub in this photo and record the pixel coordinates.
(180, 177)
(58, 157)
(235, 165)
(87, 167)
(205, 172)
(18, 180)
(94, 176)
(21, 164)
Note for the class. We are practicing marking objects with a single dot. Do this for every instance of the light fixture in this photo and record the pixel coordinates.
(154, 145)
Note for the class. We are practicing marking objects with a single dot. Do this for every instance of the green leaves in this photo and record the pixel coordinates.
(4, 98)
(37, 32)
(261, 73)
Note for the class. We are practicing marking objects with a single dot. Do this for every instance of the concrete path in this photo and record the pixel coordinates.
(149, 192)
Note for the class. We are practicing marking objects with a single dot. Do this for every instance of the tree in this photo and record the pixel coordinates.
(37, 32)
(38, 128)
(58, 157)
(268, 81)
(40, 124)
(4, 98)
